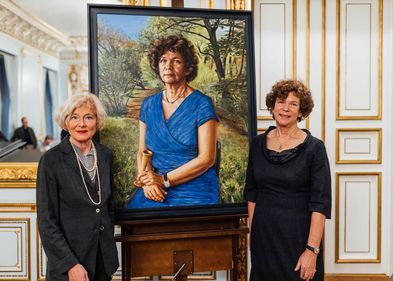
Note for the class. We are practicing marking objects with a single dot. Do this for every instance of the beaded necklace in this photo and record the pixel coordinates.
(95, 173)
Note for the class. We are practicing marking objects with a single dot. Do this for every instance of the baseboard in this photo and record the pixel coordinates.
(357, 277)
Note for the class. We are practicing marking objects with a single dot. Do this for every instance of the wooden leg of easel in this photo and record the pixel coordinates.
(127, 264)
(235, 257)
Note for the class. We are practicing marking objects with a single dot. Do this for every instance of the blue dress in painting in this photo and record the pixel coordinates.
(175, 142)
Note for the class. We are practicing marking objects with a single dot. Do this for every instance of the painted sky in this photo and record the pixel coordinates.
(129, 25)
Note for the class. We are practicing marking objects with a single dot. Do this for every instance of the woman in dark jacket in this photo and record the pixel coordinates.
(74, 197)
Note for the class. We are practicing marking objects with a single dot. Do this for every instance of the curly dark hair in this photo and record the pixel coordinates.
(174, 43)
(282, 88)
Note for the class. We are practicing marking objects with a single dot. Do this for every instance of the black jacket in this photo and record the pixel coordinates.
(19, 134)
(71, 227)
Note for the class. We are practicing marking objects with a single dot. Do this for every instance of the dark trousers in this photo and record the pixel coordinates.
(100, 274)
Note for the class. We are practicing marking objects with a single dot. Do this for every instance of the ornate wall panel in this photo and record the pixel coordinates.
(15, 249)
(275, 46)
(40, 259)
(359, 146)
(359, 59)
(358, 217)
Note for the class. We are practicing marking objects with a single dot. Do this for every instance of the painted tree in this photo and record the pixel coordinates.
(119, 73)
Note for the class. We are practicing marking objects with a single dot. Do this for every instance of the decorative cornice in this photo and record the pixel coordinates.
(18, 175)
(29, 29)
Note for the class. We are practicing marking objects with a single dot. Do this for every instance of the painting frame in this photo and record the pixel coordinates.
(122, 213)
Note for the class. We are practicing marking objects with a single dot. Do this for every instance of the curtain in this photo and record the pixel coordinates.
(55, 100)
(5, 98)
(48, 106)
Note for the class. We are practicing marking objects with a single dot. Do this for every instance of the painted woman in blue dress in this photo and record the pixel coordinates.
(179, 126)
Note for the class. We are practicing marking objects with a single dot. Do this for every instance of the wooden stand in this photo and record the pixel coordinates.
(180, 246)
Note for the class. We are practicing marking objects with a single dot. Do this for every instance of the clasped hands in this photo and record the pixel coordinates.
(153, 185)
(307, 265)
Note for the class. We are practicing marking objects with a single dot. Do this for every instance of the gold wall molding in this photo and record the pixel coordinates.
(378, 211)
(18, 175)
(261, 130)
(236, 4)
(359, 130)
(308, 53)
(323, 109)
(24, 273)
(339, 116)
(18, 208)
(294, 39)
(356, 277)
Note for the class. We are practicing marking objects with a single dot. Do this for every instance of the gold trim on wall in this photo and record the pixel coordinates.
(261, 130)
(337, 217)
(356, 277)
(210, 4)
(17, 208)
(28, 251)
(380, 42)
(377, 161)
(236, 4)
(39, 256)
(308, 53)
(18, 175)
(265, 118)
(294, 38)
(323, 109)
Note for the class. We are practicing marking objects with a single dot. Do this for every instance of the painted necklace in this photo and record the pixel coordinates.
(95, 173)
(178, 97)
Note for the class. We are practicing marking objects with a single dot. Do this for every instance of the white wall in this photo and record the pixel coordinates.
(28, 96)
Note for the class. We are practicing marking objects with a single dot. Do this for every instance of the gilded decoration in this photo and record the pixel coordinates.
(18, 175)
(242, 254)
(33, 32)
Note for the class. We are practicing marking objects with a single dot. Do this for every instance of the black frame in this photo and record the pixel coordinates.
(125, 214)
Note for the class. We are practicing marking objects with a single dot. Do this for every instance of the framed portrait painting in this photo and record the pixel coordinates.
(128, 49)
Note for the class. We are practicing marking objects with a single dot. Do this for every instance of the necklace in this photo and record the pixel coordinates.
(95, 173)
(94, 163)
(290, 136)
(178, 96)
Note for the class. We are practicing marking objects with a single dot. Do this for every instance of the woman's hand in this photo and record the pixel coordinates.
(77, 273)
(154, 192)
(151, 178)
(307, 265)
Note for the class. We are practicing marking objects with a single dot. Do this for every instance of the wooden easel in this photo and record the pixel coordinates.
(180, 246)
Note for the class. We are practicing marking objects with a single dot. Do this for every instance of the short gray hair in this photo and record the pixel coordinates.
(63, 112)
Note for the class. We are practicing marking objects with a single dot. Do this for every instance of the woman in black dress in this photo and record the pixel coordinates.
(288, 191)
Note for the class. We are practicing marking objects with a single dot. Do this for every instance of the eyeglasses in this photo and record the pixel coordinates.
(87, 119)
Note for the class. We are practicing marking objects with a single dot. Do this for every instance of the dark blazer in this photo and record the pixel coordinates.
(19, 134)
(71, 227)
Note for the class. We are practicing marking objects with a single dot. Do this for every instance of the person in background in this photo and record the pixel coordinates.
(288, 189)
(26, 134)
(47, 143)
(75, 211)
